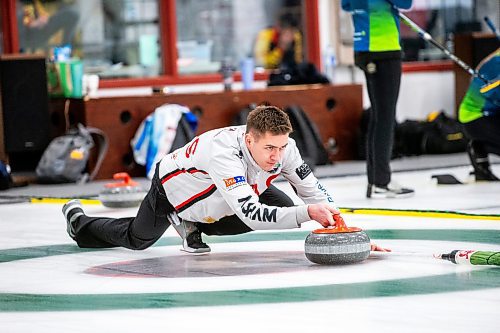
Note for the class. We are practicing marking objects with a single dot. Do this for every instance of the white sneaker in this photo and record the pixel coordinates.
(391, 190)
(72, 210)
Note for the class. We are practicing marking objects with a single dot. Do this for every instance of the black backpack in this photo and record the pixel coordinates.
(185, 133)
(305, 134)
(303, 73)
(241, 117)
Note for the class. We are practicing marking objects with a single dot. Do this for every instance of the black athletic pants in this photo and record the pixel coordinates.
(383, 77)
(485, 131)
(151, 222)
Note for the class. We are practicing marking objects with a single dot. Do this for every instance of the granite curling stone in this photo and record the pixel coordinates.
(338, 245)
(124, 194)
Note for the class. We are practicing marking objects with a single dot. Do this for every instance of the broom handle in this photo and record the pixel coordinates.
(427, 37)
(459, 257)
(492, 27)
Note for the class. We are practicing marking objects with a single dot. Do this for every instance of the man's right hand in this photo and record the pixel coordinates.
(322, 213)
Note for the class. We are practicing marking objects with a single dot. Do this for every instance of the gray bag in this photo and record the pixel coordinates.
(66, 157)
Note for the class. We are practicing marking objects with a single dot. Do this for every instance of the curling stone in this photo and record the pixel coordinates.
(124, 194)
(337, 245)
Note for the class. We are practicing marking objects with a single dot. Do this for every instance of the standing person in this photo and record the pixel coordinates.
(377, 52)
(480, 114)
(218, 184)
(279, 46)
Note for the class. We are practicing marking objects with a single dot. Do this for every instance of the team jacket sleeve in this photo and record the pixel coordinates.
(228, 173)
(300, 176)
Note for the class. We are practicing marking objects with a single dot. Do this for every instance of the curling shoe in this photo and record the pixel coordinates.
(480, 163)
(193, 243)
(72, 210)
(190, 234)
(391, 190)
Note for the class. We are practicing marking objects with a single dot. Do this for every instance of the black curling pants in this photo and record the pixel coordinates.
(383, 77)
(150, 223)
(135, 233)
(486, 132)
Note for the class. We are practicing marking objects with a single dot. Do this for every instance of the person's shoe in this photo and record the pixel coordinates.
(484, 175)
(190, 234)
(480, 163)
(72, 210)
(391, 190)
(193, 243)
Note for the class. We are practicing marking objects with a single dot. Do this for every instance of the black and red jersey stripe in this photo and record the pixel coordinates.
(195, 198)
(177, 172)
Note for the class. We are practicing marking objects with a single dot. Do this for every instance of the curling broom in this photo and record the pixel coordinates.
(427, 37)
(492, 27)
(471, 257)
(459, 257)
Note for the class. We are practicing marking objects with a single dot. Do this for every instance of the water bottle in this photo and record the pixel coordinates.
(247, 69)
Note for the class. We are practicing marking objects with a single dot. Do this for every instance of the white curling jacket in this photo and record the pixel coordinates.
(214, 176)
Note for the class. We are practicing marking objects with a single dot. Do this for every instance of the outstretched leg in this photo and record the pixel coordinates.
(135, 233)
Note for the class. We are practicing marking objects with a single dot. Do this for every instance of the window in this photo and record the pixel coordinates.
(114, 38)
(128, 42)
(151, 41)
(212, 31)
(442, 20)
(42, 25)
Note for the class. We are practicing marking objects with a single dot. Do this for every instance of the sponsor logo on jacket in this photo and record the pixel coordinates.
(234, 182)
(303, 171)
(250, 210)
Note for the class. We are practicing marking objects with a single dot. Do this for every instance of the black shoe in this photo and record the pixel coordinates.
(480, 163)
(72, 210)
(193, 243)
(190, 234)
(484, 175)
(391, 190)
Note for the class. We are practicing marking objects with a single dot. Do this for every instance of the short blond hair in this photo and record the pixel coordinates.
(267, 118)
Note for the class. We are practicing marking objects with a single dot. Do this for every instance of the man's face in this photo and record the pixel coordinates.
(267, 149)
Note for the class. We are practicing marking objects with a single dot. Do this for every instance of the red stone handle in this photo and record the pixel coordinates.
(340, 227)
(126, 180)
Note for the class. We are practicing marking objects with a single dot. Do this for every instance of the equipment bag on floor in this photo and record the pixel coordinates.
(440, 134)
(305, 134)
(66, 157)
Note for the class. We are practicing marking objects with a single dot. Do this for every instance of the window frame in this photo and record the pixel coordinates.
(168, 42)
